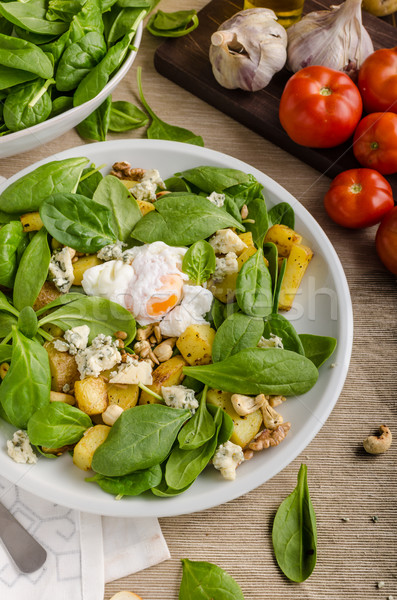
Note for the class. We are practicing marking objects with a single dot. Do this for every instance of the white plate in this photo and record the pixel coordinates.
(322, 307)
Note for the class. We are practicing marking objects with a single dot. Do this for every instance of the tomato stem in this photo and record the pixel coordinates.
(325, 91)
(356, 188)
(374, 145)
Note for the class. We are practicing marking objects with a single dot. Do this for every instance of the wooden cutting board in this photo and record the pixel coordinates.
(185, 61)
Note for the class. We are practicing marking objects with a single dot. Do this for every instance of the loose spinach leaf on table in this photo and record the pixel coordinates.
(160, 130)
(280, 326)
(10, 77)
(254, 292)
(11, 236)
(199, 262)
(27, 322)
(124, 116)
(78, 59)
(206, 581)
(236, 333)
(258, 213)
(28, 192)
(28, 105)
(294, 533)
(32, 271)
(31, 16)
(259, 371)
(317, 348)
(26, 386)
(282, 214)
(181, 220)
(124, 208)
(78, 222)
(140, 438)
(96, 125)
(22, 55)
(215, 179)
(57, 424)
(89, 182)
(199, 429)
(133, 484)
(172, 25)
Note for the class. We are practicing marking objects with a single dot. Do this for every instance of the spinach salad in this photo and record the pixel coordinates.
(140, 322)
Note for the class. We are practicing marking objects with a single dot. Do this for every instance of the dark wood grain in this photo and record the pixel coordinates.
(185, 61)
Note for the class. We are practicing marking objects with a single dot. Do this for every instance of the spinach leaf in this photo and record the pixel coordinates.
(78, 60)
(254, 287)
(6, 306)
(259, 371)
(100, 314)
(206, 581)
(38, 39)
(236, 333)
(172, 25)
(282, 214)
(11, 236)
(5, 355)
(26, 386)
(124, 116)
(60, 301)
(176, 184)
(216, 314)
(140, 438)
(123, 23)
(88, 19)
(21, 55)
(215, 179)
(27, 322)
(270, 252)
(89, 184)
(5, 26)
(258, 213)
(160, 130)
(60, 105)
(63, 10)
(28, 105)
(6, 323)
(57, 424)
(193, 384)
(31, 16)
(199, 262)
(182, 220)
(96, 125)
(227, 426)
(125, 212)
(10, 77)
(277, 289)
(294, 532)
(27, 193)
(133, 484)
(199, 429)
(78, 222)
(280, 326)
(318, 348)
(164, 491)
(32, 271)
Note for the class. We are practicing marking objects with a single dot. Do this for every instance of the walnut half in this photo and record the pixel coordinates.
(267, 438)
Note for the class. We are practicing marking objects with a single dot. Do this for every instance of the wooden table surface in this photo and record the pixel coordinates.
(345, 483)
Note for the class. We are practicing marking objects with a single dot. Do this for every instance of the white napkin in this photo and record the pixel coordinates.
(84, 551)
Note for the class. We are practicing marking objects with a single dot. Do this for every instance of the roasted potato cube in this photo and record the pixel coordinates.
(145, 207)
(124, 395)
(31, 221)
(297, 263)
(195, 344)
(53, 330)
(47, 294)
(63, 368)
(82, 264)
(91, 395)
(247, 239)
(245, 428)
(284, 238)
(167, 373)
(84, 449)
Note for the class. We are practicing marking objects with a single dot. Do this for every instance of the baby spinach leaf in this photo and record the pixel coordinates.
(5, 355)
(280, 326)
(215, 179)
(216, 314)
(254, 287)
(160, 130)
(60, 301)
(31, 16)
(123, 23)
(259, 371)
(28, 105)
(88, 185)
(27, 322)
(11, 77)
(6, 306)
(257, 211)
(227, 426)
(32, 271)
(182, 220)
(140, 438)
(164, 491)
(100, 314)
(270, 252)
(63, 10)
(125, 212)
(193, 384)
(96, 125)
(294, 533)
(78, 222)
(11, 236)
(6, 323)
(78, 60)
(199, 262)
(318, 348)
(124, 116)
(26, 386)
(174, 24)
(60, 105)
(176, 184)
(57, 424)
(277, 288)
(22, 55)
(133, 484)
(28, 192)
(38, 39)
(236, 333)
(57, 46)
(88, 19)
(282, 214)
(5, 26)
(206, 581)
(199, 429)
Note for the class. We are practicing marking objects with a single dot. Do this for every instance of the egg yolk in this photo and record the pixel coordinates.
(165, 297)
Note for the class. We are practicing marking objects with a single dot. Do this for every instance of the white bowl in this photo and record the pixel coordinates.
(322, 307)
(32, 137)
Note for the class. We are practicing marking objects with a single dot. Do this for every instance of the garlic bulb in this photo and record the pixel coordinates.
(248, 49)
(333, 38)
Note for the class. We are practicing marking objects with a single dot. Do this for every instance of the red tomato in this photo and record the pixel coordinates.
(375, 142)
(358, 198)
(320, 107)
(386, 241)
(377, 81)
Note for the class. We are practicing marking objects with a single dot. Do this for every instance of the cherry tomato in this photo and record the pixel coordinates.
(375, 142)
(358, 198)
(386, 241)
(320, 107)
(377, 81)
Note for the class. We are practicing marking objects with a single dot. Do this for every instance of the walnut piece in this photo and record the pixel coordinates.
(123, 170)
(269, 437)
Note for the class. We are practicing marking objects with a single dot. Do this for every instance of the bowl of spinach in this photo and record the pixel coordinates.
(322, 310)
(59, 63)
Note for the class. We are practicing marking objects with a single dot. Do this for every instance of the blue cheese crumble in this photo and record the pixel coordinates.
(179, 396)
(101, 355)
(20, 450)
(227, 458)
(273, 342)
(133, 371)
(225, 241)
(74, 340)
(225, 266)
(217, 199)
(111, 251)
(146, 188)
(61, 269)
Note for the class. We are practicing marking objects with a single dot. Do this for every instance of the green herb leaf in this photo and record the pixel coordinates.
(57, 424)
(32, 271)
(31, 16)
(96, 125)
(236, 333)
(27, 322)
(172, 25)
(318, 348)
(199, 429)
(28, 105)
(22, 55)
(78, 59)
(280, 326)
(282, 214)
(199, 262)
(124, 116)
(254, 293)
(215, 179)
(206, 581)
(124, 208)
